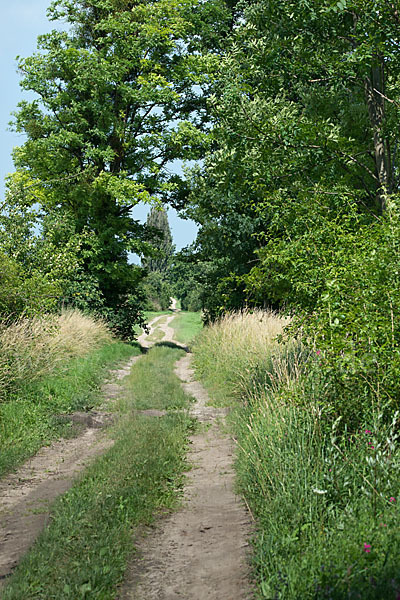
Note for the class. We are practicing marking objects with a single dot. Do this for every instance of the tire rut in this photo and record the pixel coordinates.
(199, 552)
(27, 494)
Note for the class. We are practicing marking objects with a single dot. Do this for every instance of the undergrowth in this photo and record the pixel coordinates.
(324, 496)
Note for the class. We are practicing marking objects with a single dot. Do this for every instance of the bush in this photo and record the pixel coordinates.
(324, 496)
(22, 293)
(340, 278)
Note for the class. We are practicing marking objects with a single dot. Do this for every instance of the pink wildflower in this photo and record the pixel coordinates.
(367, 548)
(318, 352)
(392, 499)
(367, 431)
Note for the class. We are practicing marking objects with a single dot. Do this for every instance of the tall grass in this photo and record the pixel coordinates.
(237, 350)
(33, 347)
(324, 500)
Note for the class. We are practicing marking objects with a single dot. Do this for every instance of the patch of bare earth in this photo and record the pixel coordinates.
(26, 496)
(199, 552)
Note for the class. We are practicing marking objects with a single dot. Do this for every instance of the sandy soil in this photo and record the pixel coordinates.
(25, 496)
(199, 552)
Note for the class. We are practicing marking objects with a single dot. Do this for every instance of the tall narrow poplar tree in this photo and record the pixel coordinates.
(157, 222)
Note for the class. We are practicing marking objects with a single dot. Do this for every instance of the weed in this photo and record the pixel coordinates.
(324, 497)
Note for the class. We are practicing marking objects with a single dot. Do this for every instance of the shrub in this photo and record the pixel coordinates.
(324, 495)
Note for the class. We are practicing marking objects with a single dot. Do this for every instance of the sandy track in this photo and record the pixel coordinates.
(199, 552)
(26, 496)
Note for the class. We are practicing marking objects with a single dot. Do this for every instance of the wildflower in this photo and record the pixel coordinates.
(392, 499)
(318, 352)
(367, 431)
(367, 548)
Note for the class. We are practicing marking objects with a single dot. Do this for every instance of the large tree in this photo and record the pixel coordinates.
(114, 100)
(304, 137)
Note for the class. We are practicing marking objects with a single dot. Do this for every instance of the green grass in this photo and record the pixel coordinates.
(164, 391)
(149, 316)
(28, 420)
(84, 552)
(325, 502)
(187, 325)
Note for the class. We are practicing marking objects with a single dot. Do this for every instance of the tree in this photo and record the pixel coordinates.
(161, 241)
(114, 99)
(304, 134)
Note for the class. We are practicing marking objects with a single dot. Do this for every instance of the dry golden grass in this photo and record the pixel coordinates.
(33, 347)
(242, 349)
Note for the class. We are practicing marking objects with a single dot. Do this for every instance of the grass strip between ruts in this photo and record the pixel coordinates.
(85, 550)
(186, 326)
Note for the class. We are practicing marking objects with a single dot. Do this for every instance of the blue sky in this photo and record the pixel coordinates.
(22, 21)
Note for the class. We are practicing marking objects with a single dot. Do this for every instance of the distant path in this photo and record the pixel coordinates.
(198, 552)
(168, 331)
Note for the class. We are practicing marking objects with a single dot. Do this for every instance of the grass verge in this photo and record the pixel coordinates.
(84, 552)
(187, 325)
(325, 500)
(28, 420)
(32, 348)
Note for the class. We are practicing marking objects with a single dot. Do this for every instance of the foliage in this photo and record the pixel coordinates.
(114, 100)
(157, 223)
(296, 127)
(157, 291)
(187, 277)
(23, 293)
(343, 283)
(156, 285)
(325, 500)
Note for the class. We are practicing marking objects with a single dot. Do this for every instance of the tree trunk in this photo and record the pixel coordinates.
(375, 92)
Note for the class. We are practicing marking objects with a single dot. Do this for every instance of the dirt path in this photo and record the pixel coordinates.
(26, 496)
(168, 331)
(199, 552)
